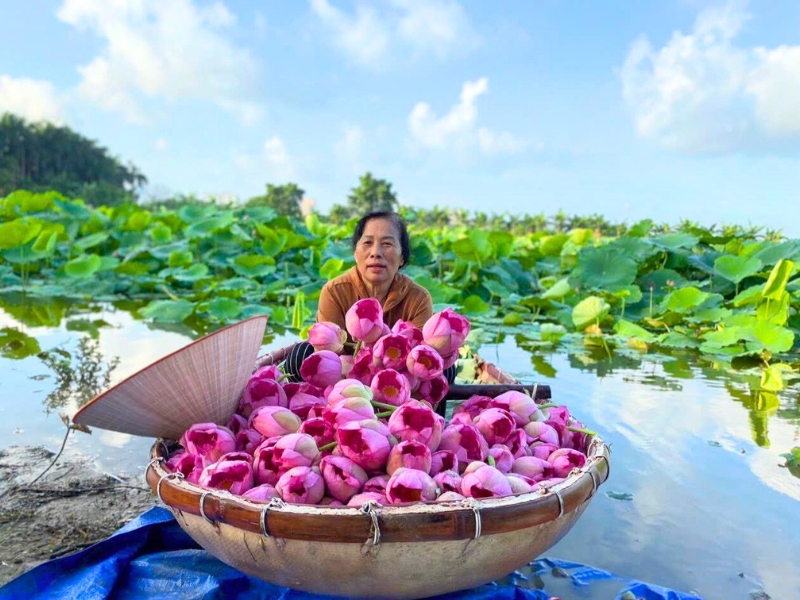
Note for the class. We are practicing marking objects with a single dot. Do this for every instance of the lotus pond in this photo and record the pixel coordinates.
(678, 347)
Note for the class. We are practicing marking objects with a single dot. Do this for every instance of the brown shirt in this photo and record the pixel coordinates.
(406, 300)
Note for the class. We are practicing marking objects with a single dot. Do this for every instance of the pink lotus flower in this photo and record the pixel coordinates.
(448, 360)
(450, 497)
(327, 336)
(302, 403)
(466, 442)
(322, 368)
(319, 429)
(539, 431)
(503, 459)
(391, 351)
(484, 482)
(517, 443)
(261, 392)
(301, 485)
(293, 387)
(234, 476)
(535, 468)
(190, 465)
(363, 367)
(424, 362)
(410, 454)
(262, 493)
(410, 485)
(364, 320)
(343, 478)
(446, 331)
(390, 387)
(208, 440)
(448, 481)
(433, 390)
(247, 439)
(363, 445)
(409, 331)
(348, 388)
(495, 424)
(559, 414)
(328, 501)
(272, 421)
(416, 421)
(265, 467)
(349, 409)
(473, 406)
(267, 372)
(521, 406)
(360, 500)
(520, 484)
(566, 459)
(542, 450)
(295, 450)
(443, 460)
(377, 484)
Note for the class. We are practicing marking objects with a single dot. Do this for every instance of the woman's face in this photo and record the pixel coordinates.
(378, 253)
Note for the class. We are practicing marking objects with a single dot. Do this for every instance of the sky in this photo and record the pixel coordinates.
(663, 109)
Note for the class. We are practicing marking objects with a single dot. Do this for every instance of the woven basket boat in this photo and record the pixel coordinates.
(400, 551)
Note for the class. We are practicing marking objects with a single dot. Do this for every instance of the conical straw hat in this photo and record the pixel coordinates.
(199, 383)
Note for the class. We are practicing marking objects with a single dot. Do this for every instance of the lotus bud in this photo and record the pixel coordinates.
(364, 446)
(363, 368)
(234, 476)
(390, 387)
(532, 467)
(265, 467)
(424, 362)
(503, 459)
(327, 336)
(542, 450)
(302, 403)
(466, 442)
(361, 499)
(348, 388)
(377, 484)
(410, 485)
(409, 331)
(267, 372)
(410, 454)
(208, 440)
(446, 331)
(247, 439)
(261, 493)
(190, 465)
(319, 429)
(443, 460)
(448, 360)
(301, 485)
(473, 406)
(391, 351)
(343, 478)
(517, 443)
(273, 421)
(364, 320)
(564, 460)
(485, 482)
(322, 368)
(433, 390)
(261, 392)
(521, 406)
(448, 481)
(328, 501)
(495, 424)
(349, 409)
(541, 432)
(520, 484)
(295, 450)
(417, 421)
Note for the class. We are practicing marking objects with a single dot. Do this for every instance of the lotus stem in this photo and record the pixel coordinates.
(390, 407)
(547, 405)
(327, 447)
(582, 430)
(490, 461)
(383, 415)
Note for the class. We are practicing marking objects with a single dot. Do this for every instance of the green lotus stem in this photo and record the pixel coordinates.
(327, 447)
(490, 461)
(582, 430)
(382, 415)
(548, 405)
(390, 407)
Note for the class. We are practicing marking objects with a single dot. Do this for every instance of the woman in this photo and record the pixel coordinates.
(381, 247)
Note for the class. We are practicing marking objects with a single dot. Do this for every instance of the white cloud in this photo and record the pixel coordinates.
(703, 93)
(32, 99)
(498, 143)
(173, 50)
(425, 27)
(363, 37)
(435, 27)
(431, 131)
(274, 159)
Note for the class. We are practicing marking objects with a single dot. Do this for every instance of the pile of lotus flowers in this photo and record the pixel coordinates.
(364, 428)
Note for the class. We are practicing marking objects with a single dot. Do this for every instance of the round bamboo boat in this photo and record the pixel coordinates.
(399, 551)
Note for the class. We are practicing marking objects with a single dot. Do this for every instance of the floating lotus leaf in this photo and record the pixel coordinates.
(628, 329)
(168, 311)
(15, 344)
(472, 305)
(551, 332)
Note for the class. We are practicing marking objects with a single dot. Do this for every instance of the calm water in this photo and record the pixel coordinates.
(702, 505)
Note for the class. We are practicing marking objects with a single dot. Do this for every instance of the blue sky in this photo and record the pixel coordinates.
(663, 109)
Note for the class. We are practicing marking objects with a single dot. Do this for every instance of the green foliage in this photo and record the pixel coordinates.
(370, 195)
(283, 199)
(41, 156)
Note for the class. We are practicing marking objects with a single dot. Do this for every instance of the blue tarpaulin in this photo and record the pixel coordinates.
(152, 557)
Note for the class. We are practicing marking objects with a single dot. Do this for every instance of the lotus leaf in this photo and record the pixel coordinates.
(83, 266)
(736, 268)
(605, 268)
(558, 290)
(778, 278)
(588, 311)
(628, 329)
(180, 258)
(675, 241)
(551, 245)
(473, 305)
(168, 311)
(552, 333)
(684, 299)
(223, 309)
(15, 344)
(18, 232)
(254, 265)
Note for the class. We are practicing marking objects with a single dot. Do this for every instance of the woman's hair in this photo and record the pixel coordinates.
(396, 220)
